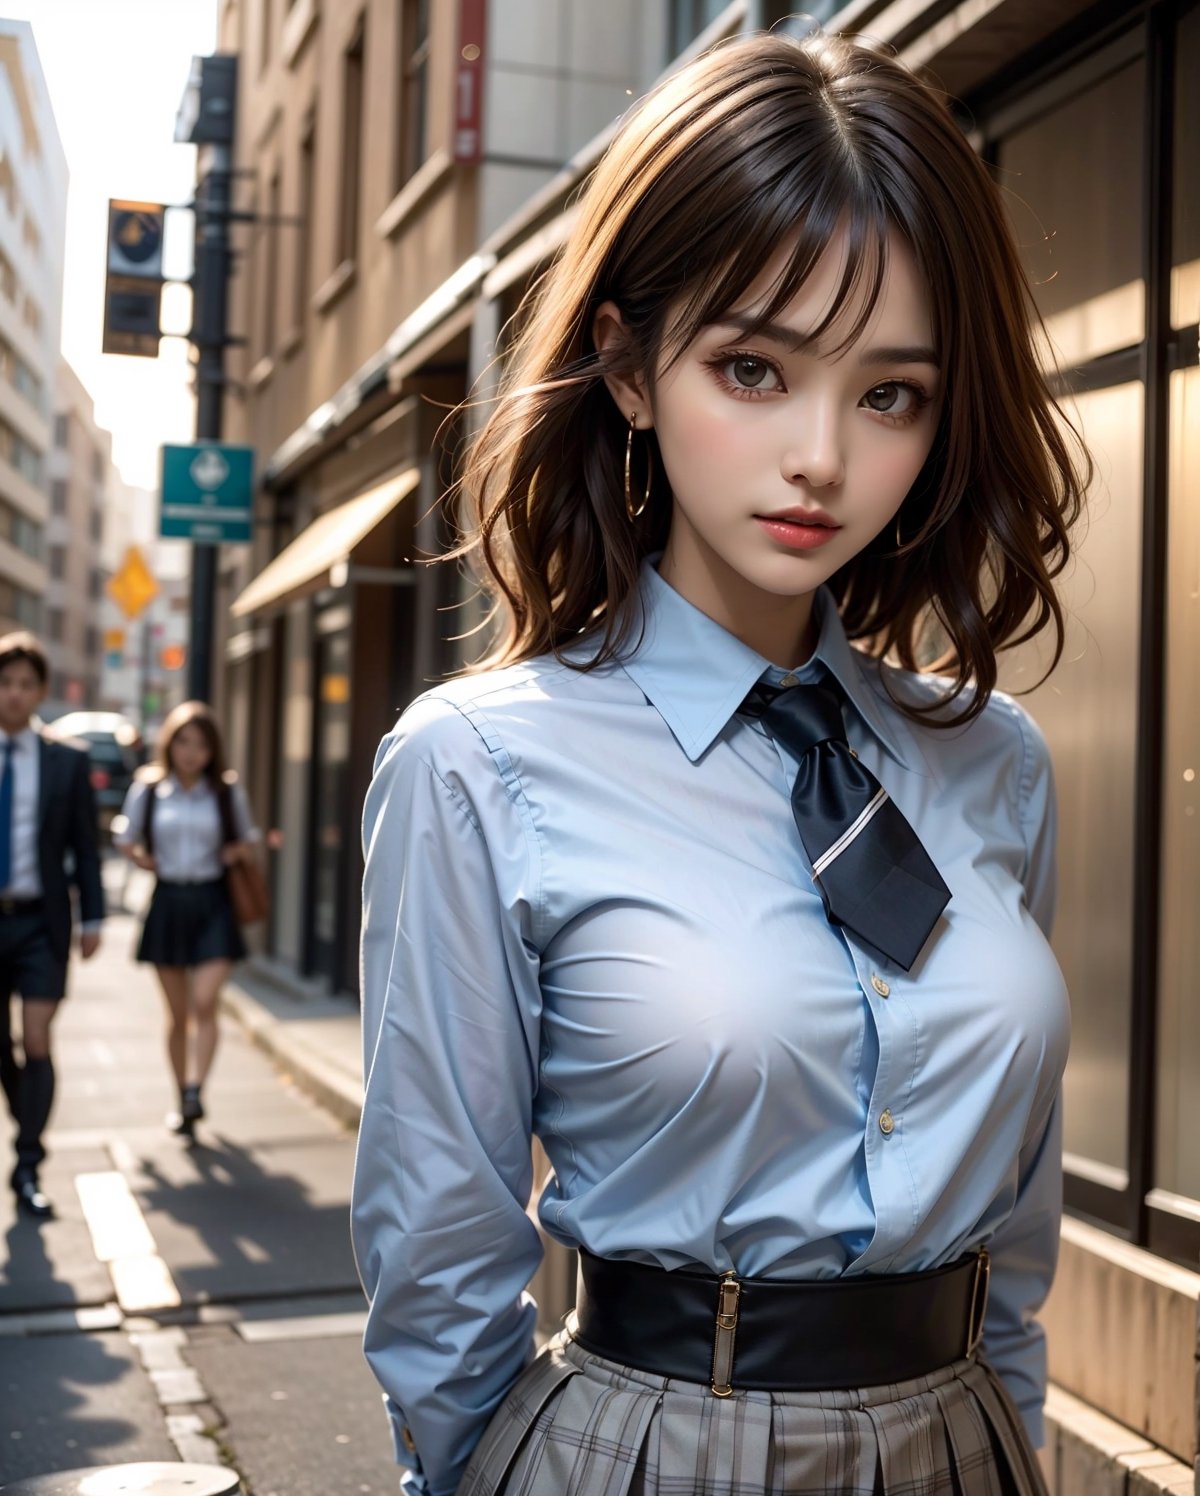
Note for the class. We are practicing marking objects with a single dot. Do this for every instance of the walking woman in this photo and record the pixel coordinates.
(729, 874)
(186, 820)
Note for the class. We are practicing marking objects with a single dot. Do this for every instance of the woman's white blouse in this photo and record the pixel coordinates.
(188, 835)
(588, 915)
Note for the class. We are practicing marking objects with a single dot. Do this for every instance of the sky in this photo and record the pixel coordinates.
(116, 71)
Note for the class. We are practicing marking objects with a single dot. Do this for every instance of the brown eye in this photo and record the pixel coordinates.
(749, 371)
(883, 397)
(894, 399)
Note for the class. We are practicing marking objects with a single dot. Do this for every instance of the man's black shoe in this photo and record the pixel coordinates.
(31, 1201)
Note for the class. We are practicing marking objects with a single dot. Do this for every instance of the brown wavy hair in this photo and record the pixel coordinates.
(768, 144)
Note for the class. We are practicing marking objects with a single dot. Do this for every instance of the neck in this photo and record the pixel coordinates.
(781, 629)
(13, 729)
(187, 780)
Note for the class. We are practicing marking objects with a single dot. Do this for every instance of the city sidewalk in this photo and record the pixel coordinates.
(189, 1302)
(312, 1037)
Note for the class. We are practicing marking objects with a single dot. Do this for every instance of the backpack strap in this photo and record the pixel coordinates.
(148, 819)
(229, 829)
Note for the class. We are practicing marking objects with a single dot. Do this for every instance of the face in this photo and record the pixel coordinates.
(785, 461)
(21, 691)
(189, 752)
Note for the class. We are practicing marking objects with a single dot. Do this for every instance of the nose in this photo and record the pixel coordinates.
(813, 453)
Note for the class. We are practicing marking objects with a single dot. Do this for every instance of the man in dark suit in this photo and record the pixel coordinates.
(47, 814)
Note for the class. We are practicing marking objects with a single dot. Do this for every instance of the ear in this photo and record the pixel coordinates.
(609, 334)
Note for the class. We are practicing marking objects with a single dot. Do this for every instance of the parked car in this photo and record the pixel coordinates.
(115, 750)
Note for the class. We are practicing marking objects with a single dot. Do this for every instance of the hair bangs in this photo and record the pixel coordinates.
(791, 223)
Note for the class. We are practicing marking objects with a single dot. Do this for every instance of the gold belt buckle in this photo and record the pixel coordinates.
(728, 1295)
(979, 1299)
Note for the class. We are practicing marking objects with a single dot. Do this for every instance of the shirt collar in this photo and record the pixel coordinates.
(696, 674)
(26, 738)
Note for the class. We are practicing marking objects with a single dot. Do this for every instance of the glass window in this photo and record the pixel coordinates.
(1087, 710)
(413, 104)
(303, 231)
(1185, 277)
(1080, 229)
(270, 250)
(1177, 1162)
(353, 100)
(1080, 234)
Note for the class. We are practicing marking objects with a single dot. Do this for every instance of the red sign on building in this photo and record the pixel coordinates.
(468, 82)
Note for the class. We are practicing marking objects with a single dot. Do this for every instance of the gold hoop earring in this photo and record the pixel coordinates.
(629, 509)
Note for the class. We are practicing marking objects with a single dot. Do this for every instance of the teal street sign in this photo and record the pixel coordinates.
(207, 493)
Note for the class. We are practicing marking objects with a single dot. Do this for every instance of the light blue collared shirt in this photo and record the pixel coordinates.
(588, 916)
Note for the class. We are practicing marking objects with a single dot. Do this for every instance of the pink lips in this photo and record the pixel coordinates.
(799, 529)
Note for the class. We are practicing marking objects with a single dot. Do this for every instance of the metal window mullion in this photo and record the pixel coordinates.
(1157, 148)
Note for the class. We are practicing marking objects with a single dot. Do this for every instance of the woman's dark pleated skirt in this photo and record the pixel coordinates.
(189, 923)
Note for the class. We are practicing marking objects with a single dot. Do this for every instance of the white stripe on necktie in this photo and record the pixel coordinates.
(851, 833)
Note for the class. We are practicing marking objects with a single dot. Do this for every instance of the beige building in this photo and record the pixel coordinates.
(81, 482)
(33, 201)
(424, 217)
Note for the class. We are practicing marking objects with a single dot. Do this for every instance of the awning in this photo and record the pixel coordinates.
(305, 565)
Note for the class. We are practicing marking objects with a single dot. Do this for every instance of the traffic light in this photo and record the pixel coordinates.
(133, 289)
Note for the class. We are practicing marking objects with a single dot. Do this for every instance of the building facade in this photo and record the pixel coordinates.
(81, 481)
(425, 213)
(33, 202)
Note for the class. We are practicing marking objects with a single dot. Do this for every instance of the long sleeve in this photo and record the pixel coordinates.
(451, 1032)
(1025, 1249)
(83, 844)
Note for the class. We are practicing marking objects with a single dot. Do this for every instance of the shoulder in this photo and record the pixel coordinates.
(1004, 737)
(482, 711)
(71, 753)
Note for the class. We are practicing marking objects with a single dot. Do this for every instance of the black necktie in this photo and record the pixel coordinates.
(874, 876)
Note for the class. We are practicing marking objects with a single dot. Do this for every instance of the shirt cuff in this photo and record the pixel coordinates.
(91, 926)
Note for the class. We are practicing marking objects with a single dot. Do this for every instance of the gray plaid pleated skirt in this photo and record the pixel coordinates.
(577, 1425)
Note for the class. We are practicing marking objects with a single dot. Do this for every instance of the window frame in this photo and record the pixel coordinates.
(1108, 37)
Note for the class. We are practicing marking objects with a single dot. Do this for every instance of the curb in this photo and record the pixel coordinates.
(327, 1084)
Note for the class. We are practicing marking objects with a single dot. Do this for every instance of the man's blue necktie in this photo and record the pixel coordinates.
(6, 812)
(874, 876)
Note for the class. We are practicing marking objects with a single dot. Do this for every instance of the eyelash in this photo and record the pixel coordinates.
(741, 392)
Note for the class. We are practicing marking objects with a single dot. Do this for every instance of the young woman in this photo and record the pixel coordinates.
(186, 819)
(746, 923)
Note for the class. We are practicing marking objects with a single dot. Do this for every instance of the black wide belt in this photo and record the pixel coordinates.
(773, 1335)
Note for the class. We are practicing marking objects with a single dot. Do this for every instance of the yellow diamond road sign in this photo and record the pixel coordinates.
(132, 586)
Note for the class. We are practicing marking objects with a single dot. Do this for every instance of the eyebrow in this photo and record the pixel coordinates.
(776, 332)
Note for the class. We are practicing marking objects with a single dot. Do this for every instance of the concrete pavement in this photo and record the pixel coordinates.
(191, 1303)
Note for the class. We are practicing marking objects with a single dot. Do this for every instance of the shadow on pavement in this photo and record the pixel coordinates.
(235, 1223)
(69, 1400)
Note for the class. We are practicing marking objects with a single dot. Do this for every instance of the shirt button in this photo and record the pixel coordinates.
(790, 680)
(887, 1123)
(880, 985)
(853, 752)
(407, 1439)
